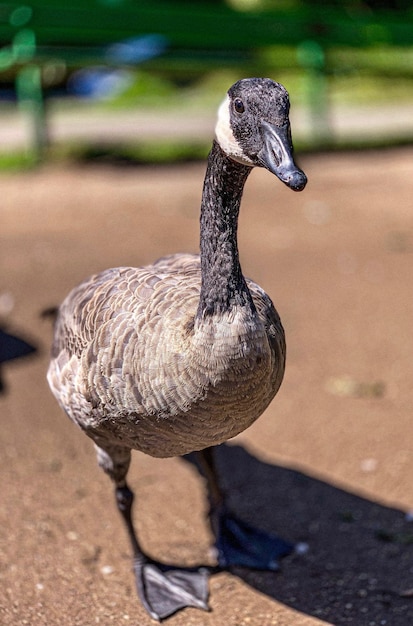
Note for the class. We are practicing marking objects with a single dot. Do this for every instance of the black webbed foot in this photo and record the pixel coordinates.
(239, 544)
(164, 590)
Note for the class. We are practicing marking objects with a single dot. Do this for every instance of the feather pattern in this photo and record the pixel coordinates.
(133, 366)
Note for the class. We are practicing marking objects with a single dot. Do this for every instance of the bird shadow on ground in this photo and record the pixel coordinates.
(358, 568)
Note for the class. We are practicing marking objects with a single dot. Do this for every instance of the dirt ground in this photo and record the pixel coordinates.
(329, 464)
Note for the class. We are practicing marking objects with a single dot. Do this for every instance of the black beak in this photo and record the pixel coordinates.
(277, 156)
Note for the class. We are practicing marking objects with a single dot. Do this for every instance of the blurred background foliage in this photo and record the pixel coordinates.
(120, 55)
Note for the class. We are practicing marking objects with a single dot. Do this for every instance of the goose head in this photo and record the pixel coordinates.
(253, 128)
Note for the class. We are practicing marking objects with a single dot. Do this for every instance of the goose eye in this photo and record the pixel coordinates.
(239, 105)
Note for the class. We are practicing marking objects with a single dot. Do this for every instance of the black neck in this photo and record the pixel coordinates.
(223, 285)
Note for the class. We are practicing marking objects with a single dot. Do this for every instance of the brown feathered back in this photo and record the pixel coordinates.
(133, 365)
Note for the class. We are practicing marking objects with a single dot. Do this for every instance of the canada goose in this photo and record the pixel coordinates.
(181, 355)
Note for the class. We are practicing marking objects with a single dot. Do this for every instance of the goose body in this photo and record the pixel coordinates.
(143, 372)
(183, 354)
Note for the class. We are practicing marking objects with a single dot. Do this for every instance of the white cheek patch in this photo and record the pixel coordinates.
(225, 136)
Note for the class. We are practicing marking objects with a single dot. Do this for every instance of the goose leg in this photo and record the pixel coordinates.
(238, 543)
(162, 589)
